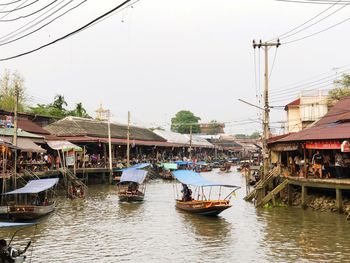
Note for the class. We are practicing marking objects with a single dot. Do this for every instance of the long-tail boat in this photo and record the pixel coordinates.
(34, 200)
(132, 185)
(166, 170)
(203, 204)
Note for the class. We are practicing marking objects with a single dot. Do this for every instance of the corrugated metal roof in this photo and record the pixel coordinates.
(20, 133)
(334, 125)
(74, 126)
(183, 139)
(29, 126)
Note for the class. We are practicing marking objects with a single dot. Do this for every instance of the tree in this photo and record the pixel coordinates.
(79, 111)
(341, 90)
(59, 102)
(8, 84)
(183, 121)
(254, 135)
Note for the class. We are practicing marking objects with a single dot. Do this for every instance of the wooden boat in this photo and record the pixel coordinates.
(9, 253)
(202, 167)
(166, 170)
(226, 168)
(203, 206)
(132, 186)
(34, 200)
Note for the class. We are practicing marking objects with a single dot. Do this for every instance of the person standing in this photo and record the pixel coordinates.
(338, 165)
(317, 161)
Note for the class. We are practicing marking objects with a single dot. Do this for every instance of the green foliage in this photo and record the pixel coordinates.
(57, 109)
(183, 121)
(8, 83)
(342, 90)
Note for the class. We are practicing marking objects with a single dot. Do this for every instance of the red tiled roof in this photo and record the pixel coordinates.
(293, 103)
(334, 125)
(29, 126)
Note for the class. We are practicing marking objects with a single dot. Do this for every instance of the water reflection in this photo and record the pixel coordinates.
(101, 229)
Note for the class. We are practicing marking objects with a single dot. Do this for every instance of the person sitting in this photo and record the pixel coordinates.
(187, 193)
(317, 161)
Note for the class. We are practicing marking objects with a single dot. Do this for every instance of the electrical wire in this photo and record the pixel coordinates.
(10, 3)
(46, 24)
(25, 16)
(15, 33)
(20, 7)
(69, 34)
(318, 32)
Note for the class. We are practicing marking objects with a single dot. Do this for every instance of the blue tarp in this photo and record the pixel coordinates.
(11, 224)
(133, 175)
(183, 162)
(136, 166)
(194, 179)
(201, 163)
(35, 186)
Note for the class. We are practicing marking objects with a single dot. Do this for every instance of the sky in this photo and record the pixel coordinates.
(157, 57)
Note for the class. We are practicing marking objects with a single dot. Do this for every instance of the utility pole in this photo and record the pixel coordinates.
(128, 142)
(110, 146)
(266, 120)
(190, 149)
(15, 128)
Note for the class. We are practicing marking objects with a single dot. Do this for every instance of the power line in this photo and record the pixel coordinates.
(318, 21)
(328, 2)
(13, 33)
(69, 34)
(46, 24)
(10, 3)
(25, 16)
(307, 21)
(318, 32)
(19, 8)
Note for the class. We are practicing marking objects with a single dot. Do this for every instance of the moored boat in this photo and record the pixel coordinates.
(132, 186)
(166, 170)
(34, 200)
(203, 205)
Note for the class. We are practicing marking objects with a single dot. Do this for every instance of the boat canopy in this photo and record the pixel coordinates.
(201, 163)
(140, 165)
(194, 179)
(183, 162)
(133, 175)
(12, 224)
(35, 186)
(169, 166)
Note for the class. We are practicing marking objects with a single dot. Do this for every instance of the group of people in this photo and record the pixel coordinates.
(322, 165)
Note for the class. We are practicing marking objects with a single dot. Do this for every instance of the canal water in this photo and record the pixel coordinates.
(100, 229)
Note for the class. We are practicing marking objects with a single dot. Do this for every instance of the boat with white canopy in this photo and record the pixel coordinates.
(132, 186)
(34, 200)
(200, 201)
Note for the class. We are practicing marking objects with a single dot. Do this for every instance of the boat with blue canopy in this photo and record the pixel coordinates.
(132, 186)
(117, 172)
(34, 200)
(200, 201)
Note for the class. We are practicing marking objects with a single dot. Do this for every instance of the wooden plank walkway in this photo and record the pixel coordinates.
(331, 183)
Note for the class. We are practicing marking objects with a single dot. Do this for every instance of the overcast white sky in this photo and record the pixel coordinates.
(162, 56)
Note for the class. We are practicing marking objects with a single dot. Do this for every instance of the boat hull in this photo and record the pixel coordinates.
(208, 208)
(131, 197)
(29, 212)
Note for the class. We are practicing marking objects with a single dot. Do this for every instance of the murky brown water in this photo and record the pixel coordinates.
(101, 229)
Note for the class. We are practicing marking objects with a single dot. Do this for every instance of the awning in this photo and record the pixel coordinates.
(26, 144)
(64, 146)
(169, 166)
(183, 163)
(194, 179)
(133, 175)
(140, 165)
(35, 186)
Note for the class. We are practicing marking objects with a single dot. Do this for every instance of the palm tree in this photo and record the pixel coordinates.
(79, 110)
(59, 102)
